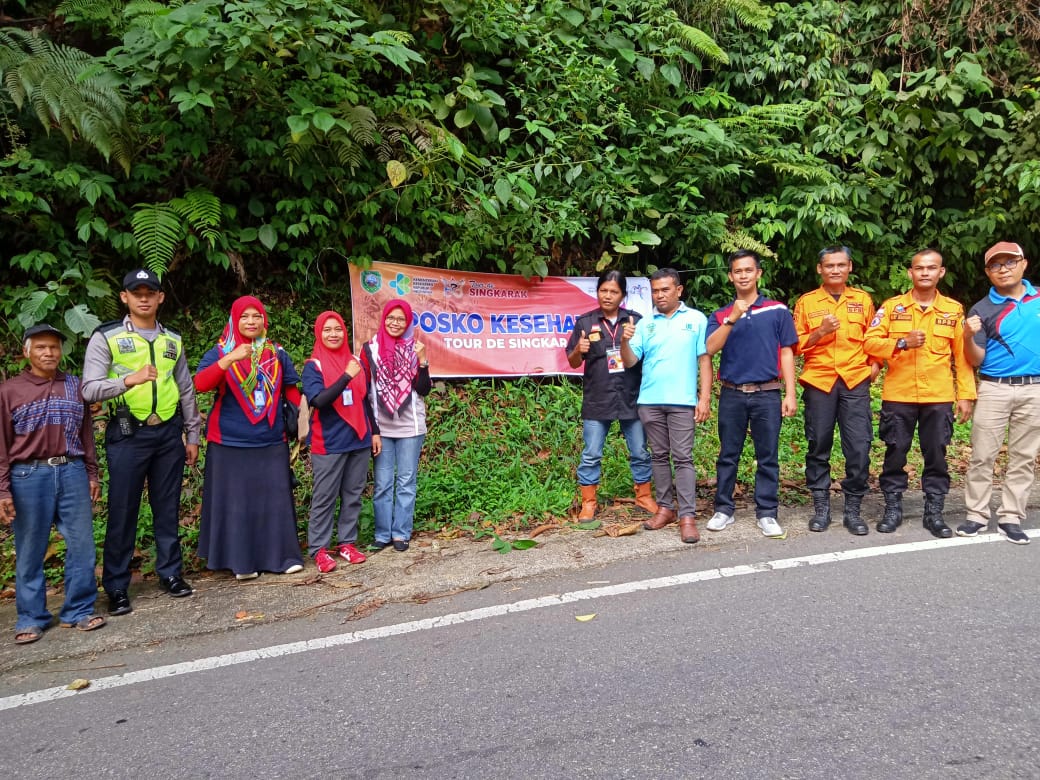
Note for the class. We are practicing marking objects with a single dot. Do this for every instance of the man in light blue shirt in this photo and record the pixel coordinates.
(674, 395)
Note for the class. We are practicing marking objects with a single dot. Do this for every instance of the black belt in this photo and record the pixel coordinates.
(57, 460)
(753, 387)
(1011, 380)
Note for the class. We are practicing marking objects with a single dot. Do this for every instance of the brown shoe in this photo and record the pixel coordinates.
(664, 516)
(588, 502)
(688, 530)
(644, 500)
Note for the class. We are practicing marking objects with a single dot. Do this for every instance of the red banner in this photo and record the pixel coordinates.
(482, 325)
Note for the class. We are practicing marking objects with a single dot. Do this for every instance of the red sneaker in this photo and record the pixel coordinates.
(324, 561)
(350, 553)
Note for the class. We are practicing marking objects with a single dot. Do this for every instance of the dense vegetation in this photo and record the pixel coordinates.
(261, 145)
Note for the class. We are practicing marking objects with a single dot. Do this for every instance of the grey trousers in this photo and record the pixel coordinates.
(669, 432)
(341, 476)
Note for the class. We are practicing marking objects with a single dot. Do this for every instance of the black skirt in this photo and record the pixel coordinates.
(248, 512)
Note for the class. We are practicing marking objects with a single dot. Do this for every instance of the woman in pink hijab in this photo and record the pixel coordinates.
(400, 377)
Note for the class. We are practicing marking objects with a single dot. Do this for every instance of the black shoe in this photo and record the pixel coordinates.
(119, 603)
(938, 528)
(377, 547)
(175, 586)
(400, 545)
(857, 527)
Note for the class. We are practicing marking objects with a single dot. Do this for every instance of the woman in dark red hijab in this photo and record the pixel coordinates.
(248, 521)
(343, 436)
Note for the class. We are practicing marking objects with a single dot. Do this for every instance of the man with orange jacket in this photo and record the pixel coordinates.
(832, 322)
(919, 334)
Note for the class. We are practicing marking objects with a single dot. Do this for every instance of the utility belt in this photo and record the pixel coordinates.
(57, 460)
(753, 387)
(124, 424)
(1011, 380)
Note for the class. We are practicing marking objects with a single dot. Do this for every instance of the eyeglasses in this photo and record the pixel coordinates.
(996, 265)
(396, 321)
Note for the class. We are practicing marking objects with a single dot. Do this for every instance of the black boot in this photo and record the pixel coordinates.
(852, 519)
(821, 501)
(893, 516)
(933, 517)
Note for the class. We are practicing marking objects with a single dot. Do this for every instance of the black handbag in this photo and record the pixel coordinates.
(291, 418)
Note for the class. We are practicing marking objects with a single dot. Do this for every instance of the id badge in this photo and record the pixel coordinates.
(258, 398)
(348, 397)
(614, 362)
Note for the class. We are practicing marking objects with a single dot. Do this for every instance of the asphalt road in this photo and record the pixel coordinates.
(913, 664)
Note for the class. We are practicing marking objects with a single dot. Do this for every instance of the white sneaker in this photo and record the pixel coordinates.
(720, 521)
(294, 568)
(250, 576)
(771, 528)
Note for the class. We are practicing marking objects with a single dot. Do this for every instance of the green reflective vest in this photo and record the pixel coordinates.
(131, 351)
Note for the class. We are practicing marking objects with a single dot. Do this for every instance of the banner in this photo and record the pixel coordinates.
(483, 325)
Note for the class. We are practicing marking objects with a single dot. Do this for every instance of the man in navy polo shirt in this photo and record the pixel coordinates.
(757, 338)
(674, 394)
(1002, 339)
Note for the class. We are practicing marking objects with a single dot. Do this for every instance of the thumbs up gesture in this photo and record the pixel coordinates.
(584, 344)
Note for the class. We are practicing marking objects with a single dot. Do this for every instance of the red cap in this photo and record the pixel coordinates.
(1004, 248)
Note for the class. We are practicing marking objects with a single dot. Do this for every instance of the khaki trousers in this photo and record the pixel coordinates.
(1003, 410)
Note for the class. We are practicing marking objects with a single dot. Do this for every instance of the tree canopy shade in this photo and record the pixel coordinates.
(271, 141)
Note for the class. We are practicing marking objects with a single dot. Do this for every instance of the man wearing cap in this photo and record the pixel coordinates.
(831, 322)
(139, 366)
(1002, 340)
(48, 477)
(919, 334)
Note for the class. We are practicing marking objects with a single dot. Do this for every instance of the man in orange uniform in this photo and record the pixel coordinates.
(832, 322)
(920, 334)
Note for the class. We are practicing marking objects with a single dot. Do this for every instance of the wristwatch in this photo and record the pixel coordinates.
(725, 321)
(901, 344)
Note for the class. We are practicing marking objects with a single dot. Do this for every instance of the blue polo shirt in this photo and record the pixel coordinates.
(1010, 333)
(752, 351)
(669, 348)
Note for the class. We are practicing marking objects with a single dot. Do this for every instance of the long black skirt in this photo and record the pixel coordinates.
(248, 513)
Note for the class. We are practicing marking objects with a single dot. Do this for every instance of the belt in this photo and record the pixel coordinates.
(1011, 380)
(57, 460)
(152, 419)
(753, 387)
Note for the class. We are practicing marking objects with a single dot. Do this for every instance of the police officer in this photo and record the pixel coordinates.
(919, 334)
(139, 367)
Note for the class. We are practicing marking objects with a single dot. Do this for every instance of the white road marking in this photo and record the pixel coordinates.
(456, 618)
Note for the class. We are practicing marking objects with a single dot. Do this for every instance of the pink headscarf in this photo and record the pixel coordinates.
(397, 363)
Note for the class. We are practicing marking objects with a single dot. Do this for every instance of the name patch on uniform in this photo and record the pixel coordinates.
(945, 321)
(898, 316)
(816, 314)
(855, 308)
(170, 353)
(125, 346)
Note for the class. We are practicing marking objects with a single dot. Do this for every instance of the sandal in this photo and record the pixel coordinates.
(89, 623)
(26, 636)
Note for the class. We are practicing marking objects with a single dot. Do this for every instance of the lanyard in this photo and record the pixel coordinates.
(612, 333)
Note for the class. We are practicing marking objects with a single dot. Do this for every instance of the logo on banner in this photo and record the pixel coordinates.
(371, 281)
(453, 288)
(402, 285)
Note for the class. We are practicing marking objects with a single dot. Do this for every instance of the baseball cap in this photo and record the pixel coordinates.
(141, 277)
(1003, 248)
(43, 327)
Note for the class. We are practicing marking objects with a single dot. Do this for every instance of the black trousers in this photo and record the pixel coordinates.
(934, 424)
(849, 408)
(154, 453)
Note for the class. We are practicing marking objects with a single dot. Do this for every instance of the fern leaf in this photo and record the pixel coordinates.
(157, 230)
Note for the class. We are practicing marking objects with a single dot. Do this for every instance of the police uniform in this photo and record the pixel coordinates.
(143, 440)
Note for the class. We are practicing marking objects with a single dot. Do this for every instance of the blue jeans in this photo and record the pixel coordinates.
(737, 412)
(393, 498)
(594, 433)
(46, 496)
